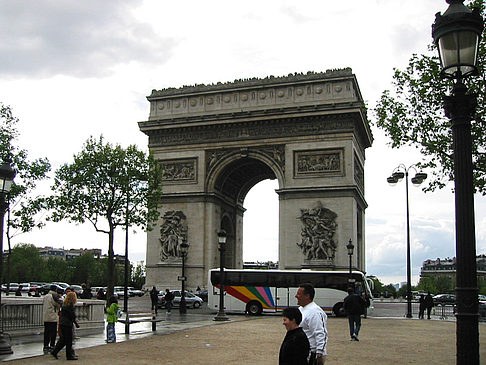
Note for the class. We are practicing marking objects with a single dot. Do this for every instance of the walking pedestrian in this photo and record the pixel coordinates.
(169, 297)
(154, 298)
(111, 319)
(313, 323)
(50, 308)
(295, 346)
(67, 320)
(354, 305)
(429, 304)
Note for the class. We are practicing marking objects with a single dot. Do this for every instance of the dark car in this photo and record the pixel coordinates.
(441, 299)
(203, 294)
(45, 289)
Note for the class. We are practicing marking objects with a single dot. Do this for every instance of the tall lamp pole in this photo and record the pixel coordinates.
(7, 175)
(221, 316)
(350, 248)
(184, 247)
(457, 34)
(125, 289)
(398, 174)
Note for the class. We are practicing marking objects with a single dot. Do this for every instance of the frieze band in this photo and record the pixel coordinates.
(318, 163)
(180, 170)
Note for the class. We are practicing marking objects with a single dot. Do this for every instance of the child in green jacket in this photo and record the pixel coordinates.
(111, 319)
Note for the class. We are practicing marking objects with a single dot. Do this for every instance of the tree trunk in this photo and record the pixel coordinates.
(111, 263)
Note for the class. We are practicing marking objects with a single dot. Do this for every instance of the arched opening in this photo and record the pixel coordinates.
(261, 223)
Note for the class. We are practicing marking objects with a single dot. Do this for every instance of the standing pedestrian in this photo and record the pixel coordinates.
(313, 323)
(354, 306)
(421, 306)
(154, 298)
(295, 346)
(169, 297)
(86, 293)
(50, 309)
(429, 304)
(67, 320)
(111, 319)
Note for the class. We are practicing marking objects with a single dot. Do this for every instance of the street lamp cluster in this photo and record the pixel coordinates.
(221, 316)
(400, 172)
(457, 34)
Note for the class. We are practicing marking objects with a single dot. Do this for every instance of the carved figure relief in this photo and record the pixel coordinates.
(179, 170)
(318, 231)
(320, 162)
(173, 232)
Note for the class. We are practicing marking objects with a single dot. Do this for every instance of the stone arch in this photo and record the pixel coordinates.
(311, 136)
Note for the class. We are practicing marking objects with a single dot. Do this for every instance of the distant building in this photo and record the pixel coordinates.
(68, 255)
(447, 267)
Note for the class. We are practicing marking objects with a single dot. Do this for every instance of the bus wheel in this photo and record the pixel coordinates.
(254, 308)
(338, 310)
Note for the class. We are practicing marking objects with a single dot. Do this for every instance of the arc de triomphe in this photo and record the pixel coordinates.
(215, 142)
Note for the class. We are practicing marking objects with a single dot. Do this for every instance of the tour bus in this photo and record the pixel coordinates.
(257, 291)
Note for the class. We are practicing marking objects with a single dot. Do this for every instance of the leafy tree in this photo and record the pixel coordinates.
(377, 285)
(138, 276)
(428, 284)
(26, 263)
(107, 186)
(391, 289)
(412, 114)
(84, 269)
(57, 270)
(24, 207)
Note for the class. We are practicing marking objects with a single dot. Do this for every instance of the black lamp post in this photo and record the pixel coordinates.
(221, 316)
(350, 248)
(125, 289)
(398, 174)
(183, 247)
(7, 175)
(457, 34)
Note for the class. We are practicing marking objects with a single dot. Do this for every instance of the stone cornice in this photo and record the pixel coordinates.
(255, 81)
(269, 96)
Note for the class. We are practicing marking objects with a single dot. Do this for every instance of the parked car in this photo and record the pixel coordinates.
(45, 289)
(191, 300)
(13, 287)
(440, 299)
(203, 294)
(135, 292)
(25, 287)
(482, 298)
(77, 289)
(119, 291)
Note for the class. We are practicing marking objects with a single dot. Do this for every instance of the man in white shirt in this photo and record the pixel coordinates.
(313, 323)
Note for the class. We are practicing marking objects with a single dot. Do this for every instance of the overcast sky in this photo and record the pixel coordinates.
(72, 69)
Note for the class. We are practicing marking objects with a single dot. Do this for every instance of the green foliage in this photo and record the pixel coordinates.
(25, 263)
(436, 285)
(390, 289)
(377, 285)
(411, 114)
(24, 207)
(138, 276)
(109, 186)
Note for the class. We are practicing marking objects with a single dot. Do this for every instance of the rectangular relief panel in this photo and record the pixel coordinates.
(179, 171)
(319, 163)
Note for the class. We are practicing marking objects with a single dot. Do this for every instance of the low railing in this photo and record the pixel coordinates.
(23, 316)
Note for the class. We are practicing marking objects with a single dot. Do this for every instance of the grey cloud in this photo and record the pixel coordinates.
(42, 38)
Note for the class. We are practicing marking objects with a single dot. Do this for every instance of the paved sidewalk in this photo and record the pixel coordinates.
(256, 340)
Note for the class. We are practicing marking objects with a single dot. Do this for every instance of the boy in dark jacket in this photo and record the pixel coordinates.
(295, 346)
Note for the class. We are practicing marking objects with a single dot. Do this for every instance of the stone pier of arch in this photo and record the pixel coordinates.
(215, 142)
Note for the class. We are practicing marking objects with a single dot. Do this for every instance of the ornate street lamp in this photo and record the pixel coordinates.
(457, 34)
(350, 248)
(400, 172)
(7, 175)
(221, 316)
(184, 247)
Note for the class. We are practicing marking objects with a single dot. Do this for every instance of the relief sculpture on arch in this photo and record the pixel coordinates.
(173, 232)
(318, 233)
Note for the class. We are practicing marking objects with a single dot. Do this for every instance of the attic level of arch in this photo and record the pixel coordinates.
(307, 125)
